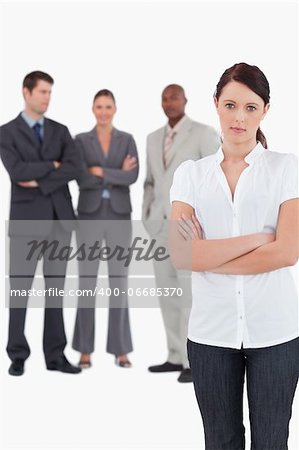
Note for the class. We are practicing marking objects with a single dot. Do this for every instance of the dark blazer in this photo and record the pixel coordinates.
(24, 161)
(115, 179)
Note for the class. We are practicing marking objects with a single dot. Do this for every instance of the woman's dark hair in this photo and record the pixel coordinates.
(32, 78)
(254, 79)
(104, 92)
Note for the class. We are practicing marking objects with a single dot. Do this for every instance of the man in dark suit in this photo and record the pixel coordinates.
(40, 158)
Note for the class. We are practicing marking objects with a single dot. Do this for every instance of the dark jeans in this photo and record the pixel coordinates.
(218, 376)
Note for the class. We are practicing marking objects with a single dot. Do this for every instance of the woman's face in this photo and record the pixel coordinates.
(104, 109)
(240, 112)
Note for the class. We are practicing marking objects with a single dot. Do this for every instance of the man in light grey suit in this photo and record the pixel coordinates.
(181, 139)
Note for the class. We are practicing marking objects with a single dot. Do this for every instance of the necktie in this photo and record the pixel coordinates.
(37, 132)
(167, 144)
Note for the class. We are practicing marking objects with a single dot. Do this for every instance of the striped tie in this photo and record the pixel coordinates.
(167, 144)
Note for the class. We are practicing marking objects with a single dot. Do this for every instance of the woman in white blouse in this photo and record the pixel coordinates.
(235, 225)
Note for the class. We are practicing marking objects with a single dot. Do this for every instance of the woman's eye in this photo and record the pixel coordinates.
(251, 108)
(229, 106)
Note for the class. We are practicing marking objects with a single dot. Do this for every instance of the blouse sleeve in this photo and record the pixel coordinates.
(182, 188)
(289, 187)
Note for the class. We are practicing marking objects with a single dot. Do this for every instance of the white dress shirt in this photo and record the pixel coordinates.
(230, 310)
(177, 126)
(31, 122)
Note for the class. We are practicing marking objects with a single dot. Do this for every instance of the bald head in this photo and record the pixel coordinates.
(173, 103)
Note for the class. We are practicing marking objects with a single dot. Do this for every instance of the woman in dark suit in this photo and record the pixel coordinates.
(110, 163)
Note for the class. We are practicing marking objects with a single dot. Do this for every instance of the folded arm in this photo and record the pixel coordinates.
(282, 252)
(17, 168)
(68, 169)
(84, 178)
(125, 176)
(204, 255)
(120, 177)
(128, 174)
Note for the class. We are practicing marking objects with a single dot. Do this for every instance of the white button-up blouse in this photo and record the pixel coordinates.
(230, 310)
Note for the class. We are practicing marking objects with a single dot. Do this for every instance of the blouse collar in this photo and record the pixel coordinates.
(250, 158)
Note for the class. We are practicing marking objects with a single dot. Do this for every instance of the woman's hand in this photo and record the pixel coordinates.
(95, 170)
(57, 164)
(190, 229)
(28, 184)
(129, 163)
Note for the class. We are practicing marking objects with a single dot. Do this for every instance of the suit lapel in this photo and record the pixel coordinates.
(24, 128)
(179, 139)
(96, 147)
(113, 148)
(49, 129)
(160, 148)
(114, 145)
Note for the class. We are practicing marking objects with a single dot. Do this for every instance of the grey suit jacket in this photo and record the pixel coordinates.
(193, 141)
(24, 161)
(116, 180)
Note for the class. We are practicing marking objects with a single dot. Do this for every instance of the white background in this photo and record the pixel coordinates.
(134, 49)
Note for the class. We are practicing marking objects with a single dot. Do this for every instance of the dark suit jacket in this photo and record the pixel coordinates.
(24, 162)
(116, 179)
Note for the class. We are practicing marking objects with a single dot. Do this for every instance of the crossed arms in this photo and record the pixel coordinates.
(91, 177)
(242, 255)
(45, 175)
